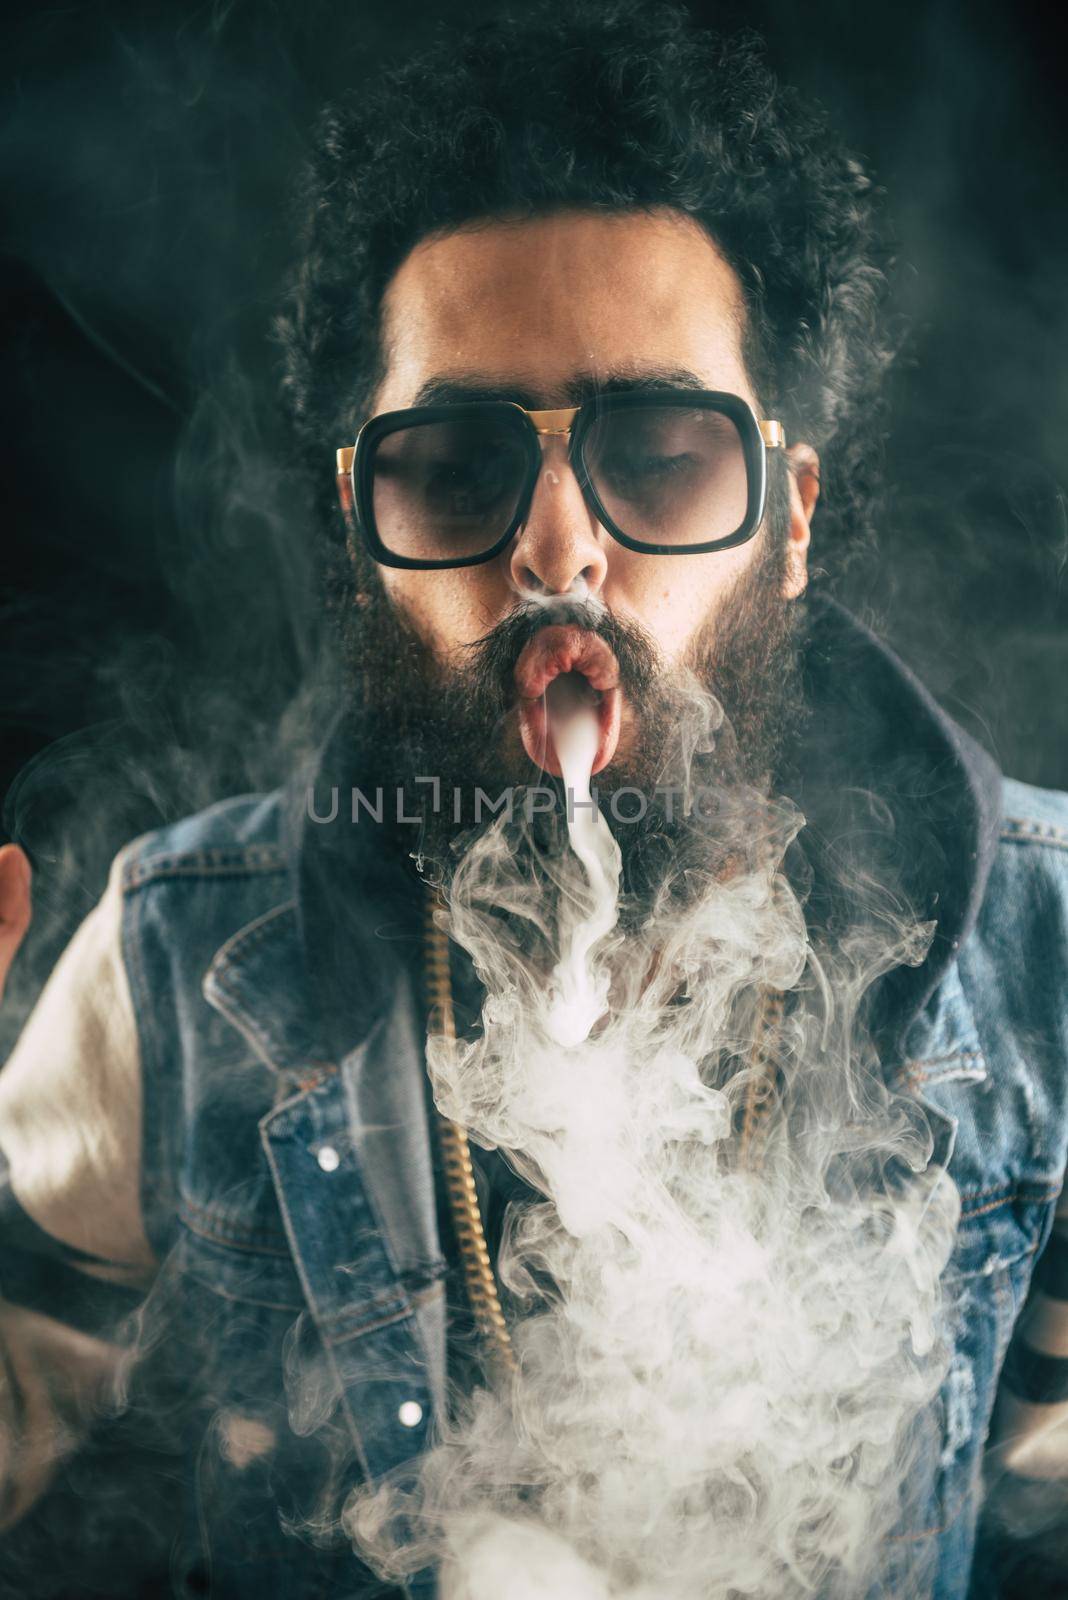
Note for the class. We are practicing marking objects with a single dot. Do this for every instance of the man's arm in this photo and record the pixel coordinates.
(1026, 1517)
(74, 1259)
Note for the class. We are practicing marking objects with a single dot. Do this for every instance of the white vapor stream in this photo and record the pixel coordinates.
(721, 1361)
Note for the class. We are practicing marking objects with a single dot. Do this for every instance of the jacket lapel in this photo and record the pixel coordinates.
(350, 1159)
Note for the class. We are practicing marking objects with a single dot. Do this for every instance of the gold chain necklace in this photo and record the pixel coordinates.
(459, 1170)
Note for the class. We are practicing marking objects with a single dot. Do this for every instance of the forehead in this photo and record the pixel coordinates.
(538, 300)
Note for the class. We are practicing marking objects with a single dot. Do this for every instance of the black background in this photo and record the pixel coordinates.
(153, 629)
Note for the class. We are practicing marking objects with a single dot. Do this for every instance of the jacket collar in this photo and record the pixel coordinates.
(891, 789)
(258, 980)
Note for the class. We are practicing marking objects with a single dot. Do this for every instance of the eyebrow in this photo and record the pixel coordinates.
(454, 388)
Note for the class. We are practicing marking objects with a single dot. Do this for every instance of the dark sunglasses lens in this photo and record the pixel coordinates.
(669, 475)
(443, 491)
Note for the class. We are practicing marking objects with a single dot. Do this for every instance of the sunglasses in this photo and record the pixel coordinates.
(667, 472)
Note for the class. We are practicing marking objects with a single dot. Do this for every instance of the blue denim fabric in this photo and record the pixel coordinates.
(332, 1267)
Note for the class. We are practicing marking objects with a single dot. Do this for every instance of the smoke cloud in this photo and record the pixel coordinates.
(726, 1301)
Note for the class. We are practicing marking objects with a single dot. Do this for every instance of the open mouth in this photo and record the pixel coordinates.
(589, 664)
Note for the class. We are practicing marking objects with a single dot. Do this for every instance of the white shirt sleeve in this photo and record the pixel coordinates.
(74, 1255)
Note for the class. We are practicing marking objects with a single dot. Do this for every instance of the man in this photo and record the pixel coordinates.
(607, 297)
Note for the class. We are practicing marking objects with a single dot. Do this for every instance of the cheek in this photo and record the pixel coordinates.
(673, 597)
(449, 609)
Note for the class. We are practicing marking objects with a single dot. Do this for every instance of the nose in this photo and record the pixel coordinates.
(561, 541)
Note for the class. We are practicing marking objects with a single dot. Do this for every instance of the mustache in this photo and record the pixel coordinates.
(491, 660)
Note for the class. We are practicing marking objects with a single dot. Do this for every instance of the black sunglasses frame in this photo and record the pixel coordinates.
(731, 406)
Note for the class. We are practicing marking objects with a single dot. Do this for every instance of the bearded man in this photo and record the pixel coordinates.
(581, 308)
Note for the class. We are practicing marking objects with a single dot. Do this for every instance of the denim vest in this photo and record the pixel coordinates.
(288, 1179)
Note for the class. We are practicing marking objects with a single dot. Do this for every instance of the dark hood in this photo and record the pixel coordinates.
(889, 785)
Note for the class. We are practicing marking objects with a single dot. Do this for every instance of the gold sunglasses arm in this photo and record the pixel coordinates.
(772, 433)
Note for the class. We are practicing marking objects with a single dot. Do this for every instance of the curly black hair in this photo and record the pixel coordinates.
(613, 107)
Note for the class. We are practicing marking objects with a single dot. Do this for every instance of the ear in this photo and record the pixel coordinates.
(804, 465)
(15, 905)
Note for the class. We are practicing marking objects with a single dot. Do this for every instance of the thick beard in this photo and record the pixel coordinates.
(414, 718)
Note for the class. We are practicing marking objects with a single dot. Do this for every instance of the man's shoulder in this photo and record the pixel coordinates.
(244, 835)
(1026, 896)
(1000, 1017)
(1019, 946)
(188, 888)
(1028, 885)
(1036, 818)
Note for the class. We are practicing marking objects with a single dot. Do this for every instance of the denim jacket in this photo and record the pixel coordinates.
(286, 1172)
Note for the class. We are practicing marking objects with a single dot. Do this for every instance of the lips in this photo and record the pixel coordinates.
(553, 651)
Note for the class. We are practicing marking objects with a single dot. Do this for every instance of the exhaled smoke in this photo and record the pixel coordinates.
(726, 1306)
